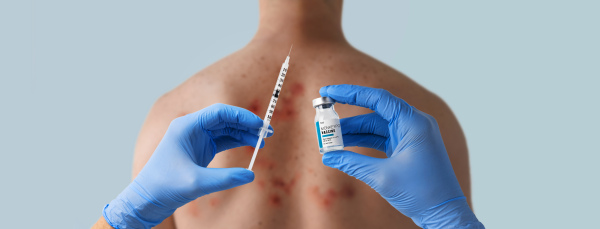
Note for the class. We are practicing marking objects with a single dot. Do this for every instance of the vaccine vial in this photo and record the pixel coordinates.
(327, 122)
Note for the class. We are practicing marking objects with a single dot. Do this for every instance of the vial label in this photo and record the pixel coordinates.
(329, 133)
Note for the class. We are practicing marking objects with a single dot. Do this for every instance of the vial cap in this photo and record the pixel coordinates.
(322, 100)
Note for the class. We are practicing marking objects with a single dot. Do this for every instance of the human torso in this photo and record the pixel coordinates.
(292, 188)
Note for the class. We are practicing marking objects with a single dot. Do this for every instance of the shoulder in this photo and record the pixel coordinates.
(197, 92)
(383, 76)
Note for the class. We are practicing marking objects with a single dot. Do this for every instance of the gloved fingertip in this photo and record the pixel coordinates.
(244, 176)
(323, 90)
(331, 159)
(269, 134)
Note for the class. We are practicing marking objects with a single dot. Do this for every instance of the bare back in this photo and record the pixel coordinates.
(293, 189)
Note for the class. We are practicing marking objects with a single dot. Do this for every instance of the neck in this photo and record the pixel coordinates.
(300, 21)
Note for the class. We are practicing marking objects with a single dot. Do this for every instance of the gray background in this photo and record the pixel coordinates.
(78, 78)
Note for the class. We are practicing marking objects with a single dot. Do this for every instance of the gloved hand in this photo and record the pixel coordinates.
(417, 177)
(176, 173)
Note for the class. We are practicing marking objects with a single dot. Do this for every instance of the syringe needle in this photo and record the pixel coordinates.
(290, 50)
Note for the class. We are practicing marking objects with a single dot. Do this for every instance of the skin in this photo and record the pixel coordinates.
(293, 189)
(101, 224)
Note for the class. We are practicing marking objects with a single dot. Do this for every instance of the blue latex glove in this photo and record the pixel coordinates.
(417, 177)
(176, 173)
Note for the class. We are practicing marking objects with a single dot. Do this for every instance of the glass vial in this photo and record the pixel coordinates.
(327, 123)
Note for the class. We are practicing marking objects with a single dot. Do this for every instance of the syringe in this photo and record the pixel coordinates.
(271, 108)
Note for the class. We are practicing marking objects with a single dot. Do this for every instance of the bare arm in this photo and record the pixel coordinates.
(101, 224)
(152, 131)
(455, 142)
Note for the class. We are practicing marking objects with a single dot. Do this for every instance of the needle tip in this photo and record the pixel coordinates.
(290, 49)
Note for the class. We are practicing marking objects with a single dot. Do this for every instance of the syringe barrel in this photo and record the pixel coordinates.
(276, 92)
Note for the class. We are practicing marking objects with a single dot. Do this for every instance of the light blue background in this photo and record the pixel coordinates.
(78, 78)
